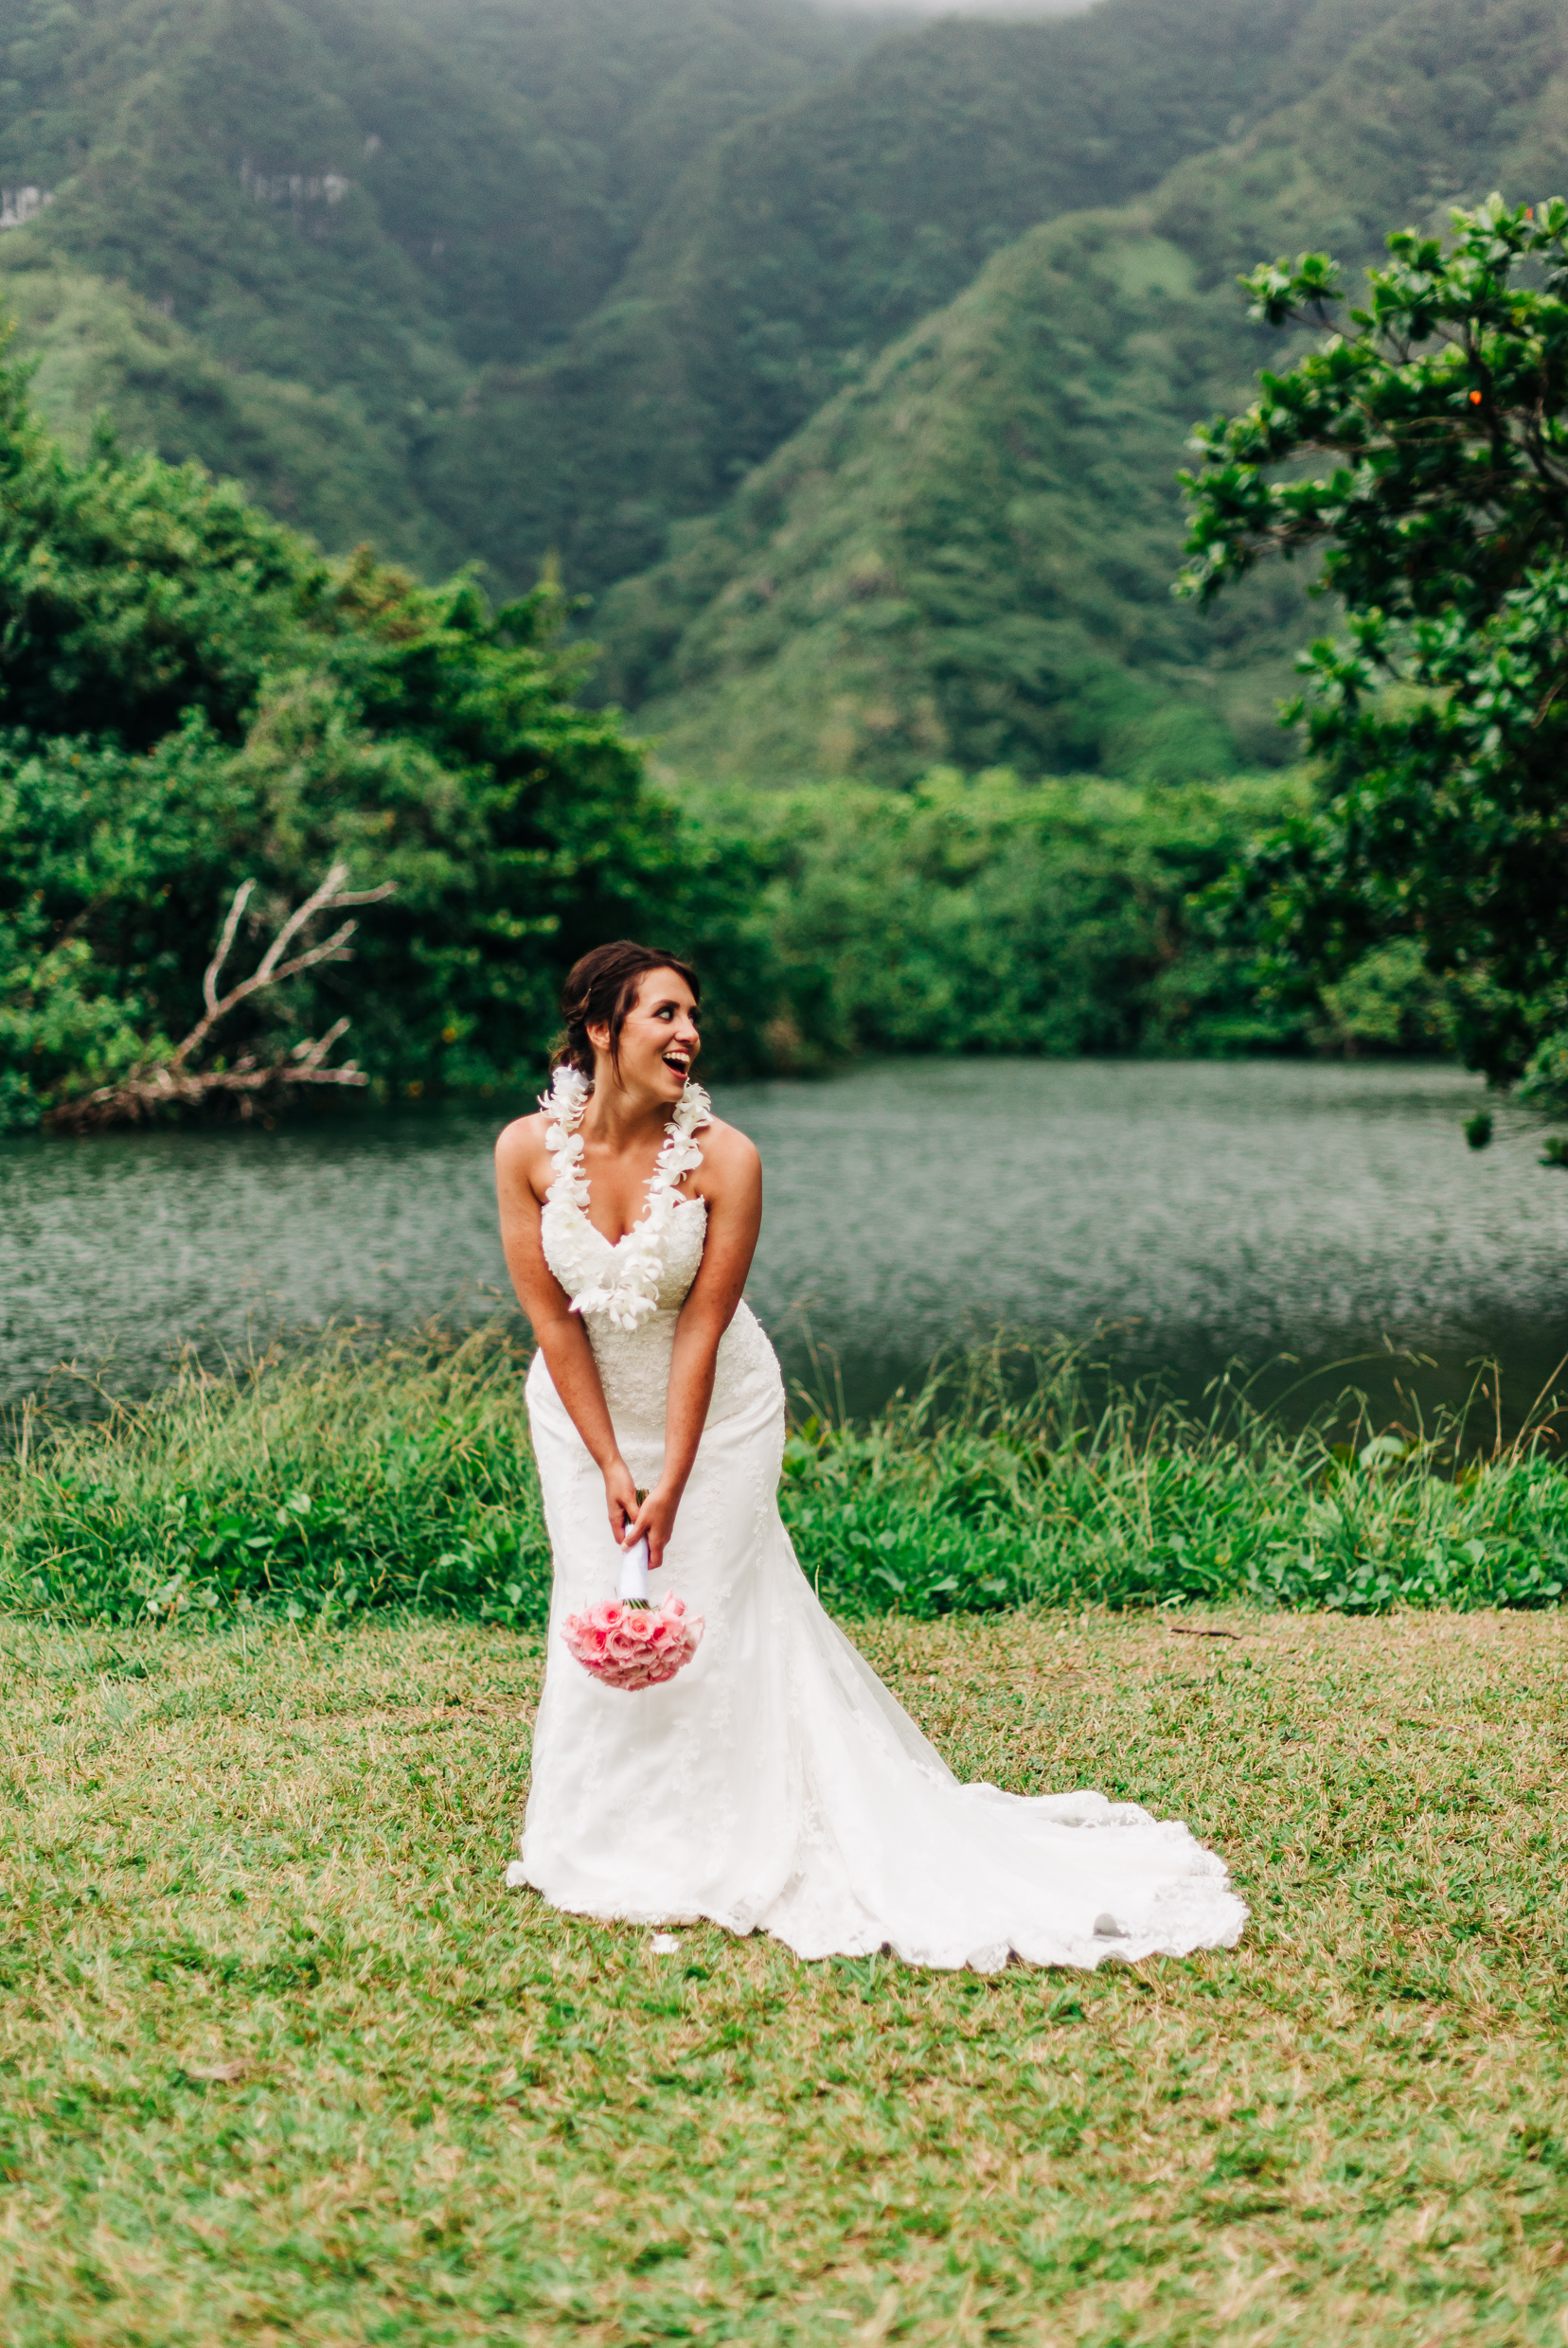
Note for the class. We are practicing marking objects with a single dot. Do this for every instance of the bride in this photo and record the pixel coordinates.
(774, 1784)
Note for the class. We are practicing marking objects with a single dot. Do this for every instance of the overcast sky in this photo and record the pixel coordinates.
(905, 8)
(961, 7)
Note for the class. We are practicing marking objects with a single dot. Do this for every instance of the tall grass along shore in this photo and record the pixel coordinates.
(329, 1483)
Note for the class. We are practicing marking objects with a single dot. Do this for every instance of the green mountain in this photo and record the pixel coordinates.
(282, 234)
(856, 364)
(799, 245)
(513, 278)
(315, 459)
(967, 555)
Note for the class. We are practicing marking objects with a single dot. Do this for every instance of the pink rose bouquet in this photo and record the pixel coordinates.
(628, 1644)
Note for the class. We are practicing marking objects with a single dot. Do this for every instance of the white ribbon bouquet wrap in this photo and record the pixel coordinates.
(633, 1589)
(625, 1641)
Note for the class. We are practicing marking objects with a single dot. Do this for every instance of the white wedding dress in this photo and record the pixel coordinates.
(775, 1785)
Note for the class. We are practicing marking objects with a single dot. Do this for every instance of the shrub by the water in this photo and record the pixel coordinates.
(334, 1483)
(987, 913)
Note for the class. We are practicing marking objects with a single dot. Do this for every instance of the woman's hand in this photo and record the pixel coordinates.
(656, 1518)
(620, 1498)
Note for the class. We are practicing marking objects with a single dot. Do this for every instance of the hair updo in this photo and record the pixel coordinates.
(600, 991)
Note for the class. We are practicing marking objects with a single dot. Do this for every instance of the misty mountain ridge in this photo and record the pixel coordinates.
(966, 556)
(850, 367)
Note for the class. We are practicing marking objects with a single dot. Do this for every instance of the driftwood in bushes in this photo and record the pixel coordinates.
(180, 1081)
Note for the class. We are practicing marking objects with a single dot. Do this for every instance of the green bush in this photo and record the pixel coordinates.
(1061, 916)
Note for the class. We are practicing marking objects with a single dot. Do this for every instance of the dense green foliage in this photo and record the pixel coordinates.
(203, 700)
(998, 916)
(1442, 412)
(199, 698)
(131, 592)
(331, 1483)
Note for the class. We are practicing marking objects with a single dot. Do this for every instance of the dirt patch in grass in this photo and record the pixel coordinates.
(279, 2060)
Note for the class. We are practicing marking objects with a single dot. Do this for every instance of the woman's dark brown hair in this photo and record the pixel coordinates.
(600, 991)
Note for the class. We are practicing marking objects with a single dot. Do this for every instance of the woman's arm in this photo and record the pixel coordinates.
(520, 1161)
(733, 1188)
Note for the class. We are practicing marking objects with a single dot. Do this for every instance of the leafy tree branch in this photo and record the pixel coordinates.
(1439, 719)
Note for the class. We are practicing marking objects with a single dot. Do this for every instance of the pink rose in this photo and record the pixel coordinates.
(631, 1647)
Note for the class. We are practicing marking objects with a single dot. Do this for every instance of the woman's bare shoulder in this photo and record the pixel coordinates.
(520, 1151)
(727, 1151)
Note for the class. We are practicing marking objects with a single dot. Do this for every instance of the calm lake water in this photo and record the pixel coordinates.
(1206, 1211)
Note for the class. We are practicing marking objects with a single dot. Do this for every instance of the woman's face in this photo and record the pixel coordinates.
(659, 1041)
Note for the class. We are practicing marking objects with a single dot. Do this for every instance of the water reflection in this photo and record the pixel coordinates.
(1207, 1209)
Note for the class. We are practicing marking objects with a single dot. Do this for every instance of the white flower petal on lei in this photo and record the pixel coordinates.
(639, 1255)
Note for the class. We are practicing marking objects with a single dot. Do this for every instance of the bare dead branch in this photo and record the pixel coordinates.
(334, 949)
(209, 981)
(311, 1055)
(173, 1083)
(272, 970)
(324, 896)
(248, 1082)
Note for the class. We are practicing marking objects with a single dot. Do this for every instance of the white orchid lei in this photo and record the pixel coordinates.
(636, 1260)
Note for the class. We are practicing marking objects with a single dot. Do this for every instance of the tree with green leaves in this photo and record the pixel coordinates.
(192, 699)
(1419, 452)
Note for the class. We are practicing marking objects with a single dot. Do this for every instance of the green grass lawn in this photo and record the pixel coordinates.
(282, 2061)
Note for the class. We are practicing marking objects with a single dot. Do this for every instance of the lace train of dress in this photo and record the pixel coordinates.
(776, 1784)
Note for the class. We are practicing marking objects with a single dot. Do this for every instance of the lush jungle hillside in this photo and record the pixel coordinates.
(967, 554)
(514, 279)
(282, 237)
(854, 363)
(799, 245)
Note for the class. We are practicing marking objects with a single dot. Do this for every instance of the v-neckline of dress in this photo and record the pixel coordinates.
(586, 1203)
(630, 1291)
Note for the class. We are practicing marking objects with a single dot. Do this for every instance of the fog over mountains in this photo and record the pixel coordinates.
(914, 10)
(846, 364)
